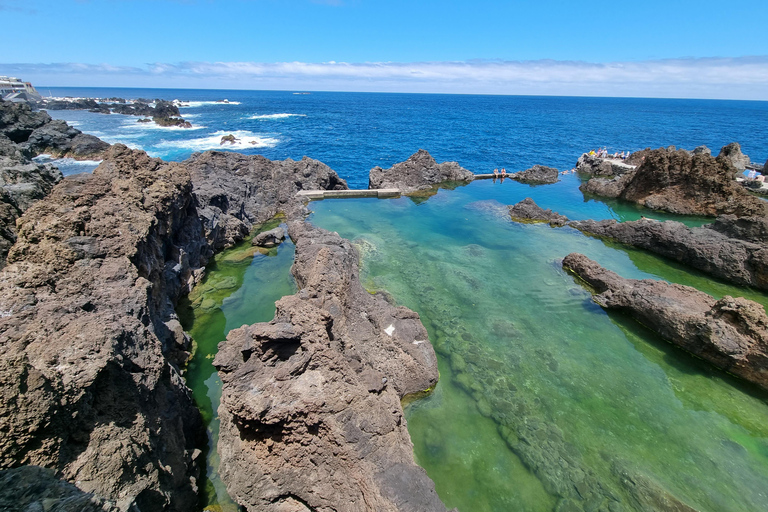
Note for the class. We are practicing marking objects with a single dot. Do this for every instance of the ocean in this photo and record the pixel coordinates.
(546, 402)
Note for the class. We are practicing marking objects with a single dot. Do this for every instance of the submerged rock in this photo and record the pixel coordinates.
(310, 414)
(679, 182)
(537, 175)
(731, 333)
(419, 172)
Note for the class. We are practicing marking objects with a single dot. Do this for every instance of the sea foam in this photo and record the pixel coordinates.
(275, 116)
(186, 104)
(245, 140)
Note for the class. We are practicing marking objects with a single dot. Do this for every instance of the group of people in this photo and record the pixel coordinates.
(503, 173)
(603, 153)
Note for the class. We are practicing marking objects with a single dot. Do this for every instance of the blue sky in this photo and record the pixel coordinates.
(669, 48)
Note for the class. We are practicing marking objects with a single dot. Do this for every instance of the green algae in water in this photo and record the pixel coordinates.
(546, 400)
(240, 288)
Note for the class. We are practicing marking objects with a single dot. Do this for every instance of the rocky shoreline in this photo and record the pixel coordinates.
(92, 351)
(161, 112)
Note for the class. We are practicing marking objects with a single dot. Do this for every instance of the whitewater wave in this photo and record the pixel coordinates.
(276, 116)
(185, 104)
(68, 166)
(135, 125)
(244, 140)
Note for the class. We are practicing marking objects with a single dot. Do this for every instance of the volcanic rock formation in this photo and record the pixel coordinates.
(419, 172)
(733, 249)
(310, 412)
(537, 175)
(731, 333)
(680, 182)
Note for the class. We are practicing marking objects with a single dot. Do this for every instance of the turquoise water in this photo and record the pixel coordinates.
(544, 398)
(240, 288)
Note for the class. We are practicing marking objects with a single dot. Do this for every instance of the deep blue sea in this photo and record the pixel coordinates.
(354, 132)
(545, 401)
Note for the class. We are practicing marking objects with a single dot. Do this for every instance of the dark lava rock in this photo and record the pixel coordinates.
(311, 414)
(734, 249)
(702, 150)
(679, 182)
(731, 333)
(172, 121)
(231, 139)
(528, 211)
(733, 153)
(91, 346)
(32, 489)
(270, 238)
(419, 172)
(18, 120)
(59, 140)
(233, 191)
(537, 175)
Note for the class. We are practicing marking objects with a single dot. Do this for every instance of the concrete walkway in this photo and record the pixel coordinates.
(328, 194)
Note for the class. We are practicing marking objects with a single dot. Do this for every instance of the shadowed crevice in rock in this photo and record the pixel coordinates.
(731, 333)
(310, 411)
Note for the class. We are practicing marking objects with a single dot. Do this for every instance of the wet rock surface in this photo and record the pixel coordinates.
(233, 191)
(32, 489)
(537, 175)
(678, 181)
(596, 166)
(528, 211)
(310, 413)
(91, 346)
(420, 172)
(733, 249)
(731, 333)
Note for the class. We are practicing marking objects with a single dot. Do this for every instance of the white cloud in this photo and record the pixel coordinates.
(729, 78)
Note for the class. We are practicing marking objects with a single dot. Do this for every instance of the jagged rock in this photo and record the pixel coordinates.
(18, 120)
(537, 175)
(89, 362)
(233, 191)
(22, 182)
(731, 333)
(59, 140)
(679, 182)
(32, 489)
(702, 150)
(228, 138)
(269, 238)
(419, 172)
(732, 248)
(172, 121)
(310, 413)
(596, 166)
(733, 153)
(528, 211)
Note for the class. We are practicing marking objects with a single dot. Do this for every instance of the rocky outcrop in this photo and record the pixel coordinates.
(537, 175)
(528, 211)
(595, 166)
(22, 182)
(310, 413)
(680, 182)
(163, 113)
(60, 140)
(732, 153)
(733, 249)
(233, 191)
(32, 489)
(731, 333)
(270, 238)
(91, 346)
(419, 172)
(18, 120)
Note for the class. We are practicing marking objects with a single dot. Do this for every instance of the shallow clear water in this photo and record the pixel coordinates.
(543, 395)
(240, 288)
